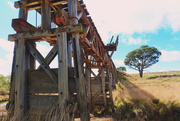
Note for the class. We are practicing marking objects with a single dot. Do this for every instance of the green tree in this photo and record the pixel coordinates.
(121, 68)
(142, 58)
(4, 84)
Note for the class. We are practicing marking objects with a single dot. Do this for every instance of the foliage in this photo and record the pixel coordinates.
(121, 68)
(4, 84)
(142, 58)
(142, 109)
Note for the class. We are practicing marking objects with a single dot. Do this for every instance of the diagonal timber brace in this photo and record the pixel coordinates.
(35, 53)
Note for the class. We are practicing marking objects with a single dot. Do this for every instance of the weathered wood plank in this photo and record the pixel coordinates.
(109, 78)
(96, 95)
(20, 80)
(69, 52)
(23, 12)
(63, 75)
(103, 86)
(35, 53)
(96, 77)
(46, 33)
(32, 60)
(20, 25)
(79, 14)
(88, 79)
(78, 64)
(45, 14)
(41, 104)
(40, 82)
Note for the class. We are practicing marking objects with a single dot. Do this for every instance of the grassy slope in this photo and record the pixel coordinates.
(154, 97)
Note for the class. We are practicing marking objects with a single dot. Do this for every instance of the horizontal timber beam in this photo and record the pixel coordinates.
(46, 33)
(35, 2)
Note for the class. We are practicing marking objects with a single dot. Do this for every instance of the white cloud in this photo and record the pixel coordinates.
(125, 38)
(169, 56)
(3, 62)
(118, 62)
(43, 49)
(137, 41)
(129, 16)
(7, 45)
(6, 58)
(11, 4)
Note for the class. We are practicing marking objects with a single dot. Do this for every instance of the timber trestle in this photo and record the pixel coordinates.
(85, 75)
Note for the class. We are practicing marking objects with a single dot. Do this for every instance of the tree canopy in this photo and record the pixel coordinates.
(121, 68)
(142, 58)
(4, 84)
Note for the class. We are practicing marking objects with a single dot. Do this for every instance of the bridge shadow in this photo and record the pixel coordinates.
(127, 89)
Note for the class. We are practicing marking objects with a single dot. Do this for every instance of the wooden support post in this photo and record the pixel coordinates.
(103, 86)
(79, 71)
(45, 15)
(110, 88)
(69, 52)
(63, 76)
(23, 12)
(20, 80)
(88, 79)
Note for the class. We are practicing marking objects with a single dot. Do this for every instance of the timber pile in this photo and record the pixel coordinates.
(70, 90)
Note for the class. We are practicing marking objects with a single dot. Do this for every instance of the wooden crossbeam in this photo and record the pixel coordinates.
(35, 53)
(20, 25)
(86, 30)
(51, 55)
(95, 77)
(97, 94)
(80, 13)
(45, 33)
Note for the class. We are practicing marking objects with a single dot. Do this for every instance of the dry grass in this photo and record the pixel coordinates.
(161, 85)
(154, 97)
(3, 113)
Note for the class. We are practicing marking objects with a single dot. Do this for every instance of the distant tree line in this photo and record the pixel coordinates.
(4, 84)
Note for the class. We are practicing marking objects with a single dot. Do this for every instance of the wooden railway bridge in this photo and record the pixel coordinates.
(71, 89)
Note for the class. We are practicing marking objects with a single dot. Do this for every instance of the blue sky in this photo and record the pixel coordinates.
(137, 22)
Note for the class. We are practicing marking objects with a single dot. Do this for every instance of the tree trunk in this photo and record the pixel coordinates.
(141, 73)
